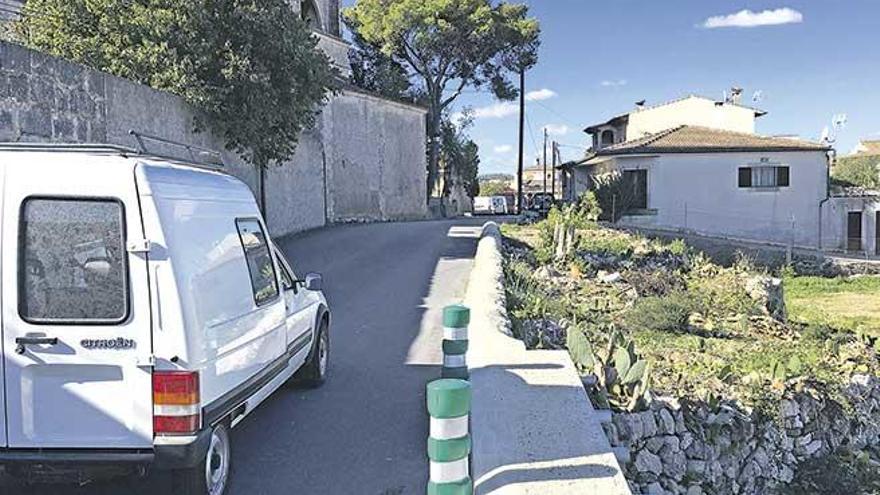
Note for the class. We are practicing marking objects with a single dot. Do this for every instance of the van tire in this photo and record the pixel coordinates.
(194, 481)
(313, 374)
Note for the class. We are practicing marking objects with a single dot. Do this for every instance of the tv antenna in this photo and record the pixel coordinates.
(758, 96)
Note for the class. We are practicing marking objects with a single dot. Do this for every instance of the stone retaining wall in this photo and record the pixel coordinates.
(676, 448)
(364, 160)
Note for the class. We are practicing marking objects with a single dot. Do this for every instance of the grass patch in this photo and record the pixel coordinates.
(851, 304)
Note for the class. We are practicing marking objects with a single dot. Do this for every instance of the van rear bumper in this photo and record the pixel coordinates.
(167, 453)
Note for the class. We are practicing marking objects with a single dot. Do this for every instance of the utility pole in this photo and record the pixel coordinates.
(522, 118)
(555, 152)
(544, 198)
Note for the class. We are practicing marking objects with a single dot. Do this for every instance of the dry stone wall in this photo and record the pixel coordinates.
(675, 448)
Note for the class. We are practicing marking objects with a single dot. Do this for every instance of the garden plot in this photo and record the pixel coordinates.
(653, 323)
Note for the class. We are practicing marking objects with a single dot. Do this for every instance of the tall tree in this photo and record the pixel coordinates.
(450, 45)
(461, 156)
(250, 66)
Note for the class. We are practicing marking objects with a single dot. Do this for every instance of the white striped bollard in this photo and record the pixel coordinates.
(455, 341)
(449, 444)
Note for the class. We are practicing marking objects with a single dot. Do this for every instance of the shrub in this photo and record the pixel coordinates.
(665, 314)
(604, 241)
(614, 194)
(658, 282)
(720, 291)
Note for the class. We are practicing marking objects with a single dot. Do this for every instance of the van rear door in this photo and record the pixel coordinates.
(3, 442)
(76, 315)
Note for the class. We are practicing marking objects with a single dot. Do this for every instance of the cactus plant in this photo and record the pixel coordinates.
(622, 377)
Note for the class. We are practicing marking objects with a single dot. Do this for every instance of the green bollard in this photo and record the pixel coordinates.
(449, 444)
(455, 341)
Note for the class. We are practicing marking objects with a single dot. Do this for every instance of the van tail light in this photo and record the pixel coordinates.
(176, 403)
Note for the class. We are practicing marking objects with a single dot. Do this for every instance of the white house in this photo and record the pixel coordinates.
(690, 110)
(717, 182)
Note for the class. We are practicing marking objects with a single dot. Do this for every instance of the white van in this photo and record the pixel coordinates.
(499, 205)
(145, 312)
(483, 205)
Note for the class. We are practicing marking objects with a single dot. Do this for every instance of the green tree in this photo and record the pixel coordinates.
(376, 72)
(493, 188)
(860, 171)
(461, 156)
(449, 45)
(250, 66)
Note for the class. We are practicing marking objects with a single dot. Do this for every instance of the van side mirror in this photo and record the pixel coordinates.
(314, 281)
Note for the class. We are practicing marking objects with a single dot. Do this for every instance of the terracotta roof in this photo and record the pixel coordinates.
(625, 116)
(872, 147)
(694, 139)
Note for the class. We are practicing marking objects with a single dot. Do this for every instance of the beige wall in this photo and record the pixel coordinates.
(691, 111)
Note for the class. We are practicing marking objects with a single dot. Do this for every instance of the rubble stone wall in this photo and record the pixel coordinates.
(675, 448)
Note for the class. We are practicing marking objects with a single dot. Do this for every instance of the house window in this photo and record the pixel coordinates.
(607, 138)
(764, 176)
(638, 181)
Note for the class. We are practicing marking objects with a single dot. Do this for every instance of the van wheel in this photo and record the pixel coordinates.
(211, 475)
(313, 374)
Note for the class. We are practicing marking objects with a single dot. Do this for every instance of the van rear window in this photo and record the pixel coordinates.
(72, 266)
(259, 260)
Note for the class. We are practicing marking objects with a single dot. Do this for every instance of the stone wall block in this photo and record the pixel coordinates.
(15, 58)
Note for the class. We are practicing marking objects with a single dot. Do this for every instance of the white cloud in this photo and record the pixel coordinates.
(496, 111)
(556, 129)
(613, 84)
(540, 95)
(747, 18)
(502, 149)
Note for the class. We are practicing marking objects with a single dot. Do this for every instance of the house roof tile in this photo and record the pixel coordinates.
(871, 147)
(694, 139)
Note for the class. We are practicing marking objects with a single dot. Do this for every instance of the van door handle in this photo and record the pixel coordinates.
(23, 341)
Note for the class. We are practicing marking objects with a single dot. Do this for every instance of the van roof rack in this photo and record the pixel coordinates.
(199, 157)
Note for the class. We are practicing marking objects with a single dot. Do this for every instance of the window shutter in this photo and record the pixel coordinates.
(782, 176)
(745, 177)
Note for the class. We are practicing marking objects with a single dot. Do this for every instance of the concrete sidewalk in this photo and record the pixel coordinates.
(534, 429)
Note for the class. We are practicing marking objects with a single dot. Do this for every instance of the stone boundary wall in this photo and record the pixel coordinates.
(364, 160)
(675, 448)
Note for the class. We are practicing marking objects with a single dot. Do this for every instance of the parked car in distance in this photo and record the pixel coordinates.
(145, 313)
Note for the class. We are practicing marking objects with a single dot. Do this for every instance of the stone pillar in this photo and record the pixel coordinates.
(332, 21)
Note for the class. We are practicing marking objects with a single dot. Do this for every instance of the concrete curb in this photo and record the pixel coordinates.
(533, 428)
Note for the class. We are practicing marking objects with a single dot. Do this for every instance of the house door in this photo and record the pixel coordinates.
(877, 234)
(854, 231)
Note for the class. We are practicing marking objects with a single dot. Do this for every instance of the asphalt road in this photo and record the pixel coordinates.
(365, 430)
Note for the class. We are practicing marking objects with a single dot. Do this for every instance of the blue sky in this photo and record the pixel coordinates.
(810, 59)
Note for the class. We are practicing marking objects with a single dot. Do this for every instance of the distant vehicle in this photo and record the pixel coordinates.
(499, 205)
(541, 202)
(490, 205)
(146, 312)
(483, 205)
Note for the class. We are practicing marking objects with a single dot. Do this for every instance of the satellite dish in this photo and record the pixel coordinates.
(826, 135)
(758, 96)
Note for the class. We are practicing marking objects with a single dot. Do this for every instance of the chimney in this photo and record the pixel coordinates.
(736, 95)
